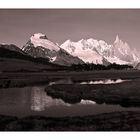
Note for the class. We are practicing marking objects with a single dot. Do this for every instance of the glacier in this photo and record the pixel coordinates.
(95, 51)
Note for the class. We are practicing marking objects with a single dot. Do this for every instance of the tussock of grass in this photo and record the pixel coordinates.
(115, 121)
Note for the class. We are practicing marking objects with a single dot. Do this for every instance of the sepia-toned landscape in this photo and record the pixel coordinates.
(85, 84)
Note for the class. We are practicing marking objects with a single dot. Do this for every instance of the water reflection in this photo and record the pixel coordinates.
(107, 81)
(34, 101)
(62, 81)
(87, 102)
(40, 101)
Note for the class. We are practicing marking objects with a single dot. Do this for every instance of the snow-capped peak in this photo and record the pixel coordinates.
(68, 41)
(40, 46)
(39, 39)
(82, 49)
(92, 50)
(81, 41)
(117, 39)
(39, 36)
(86, 50)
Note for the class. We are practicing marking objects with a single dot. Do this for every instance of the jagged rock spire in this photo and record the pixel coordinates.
(117, 39)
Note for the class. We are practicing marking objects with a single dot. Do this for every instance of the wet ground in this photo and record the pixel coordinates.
(58, 101)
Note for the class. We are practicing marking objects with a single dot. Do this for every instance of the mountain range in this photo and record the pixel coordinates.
(97, 52)
(40, 46)
(80, 52)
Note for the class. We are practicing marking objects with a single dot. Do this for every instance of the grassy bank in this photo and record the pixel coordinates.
(115, 121)
(20, 79)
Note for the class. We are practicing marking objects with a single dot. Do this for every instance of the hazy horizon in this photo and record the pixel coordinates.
(17, 25)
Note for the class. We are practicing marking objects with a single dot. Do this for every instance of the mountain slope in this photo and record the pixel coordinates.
(137, 66)
(40, 46)
(94, 51)
(12, 47)
(15, 61)
(85, 50)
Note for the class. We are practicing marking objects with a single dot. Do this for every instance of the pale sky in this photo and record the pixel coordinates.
(16, 26)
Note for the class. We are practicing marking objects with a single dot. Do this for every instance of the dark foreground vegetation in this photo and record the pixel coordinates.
(90, 67)
(21, 79)
(115, 121)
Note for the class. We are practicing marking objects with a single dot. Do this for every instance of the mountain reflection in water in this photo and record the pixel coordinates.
(107, 81)
(40, 101)
(33, 100)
